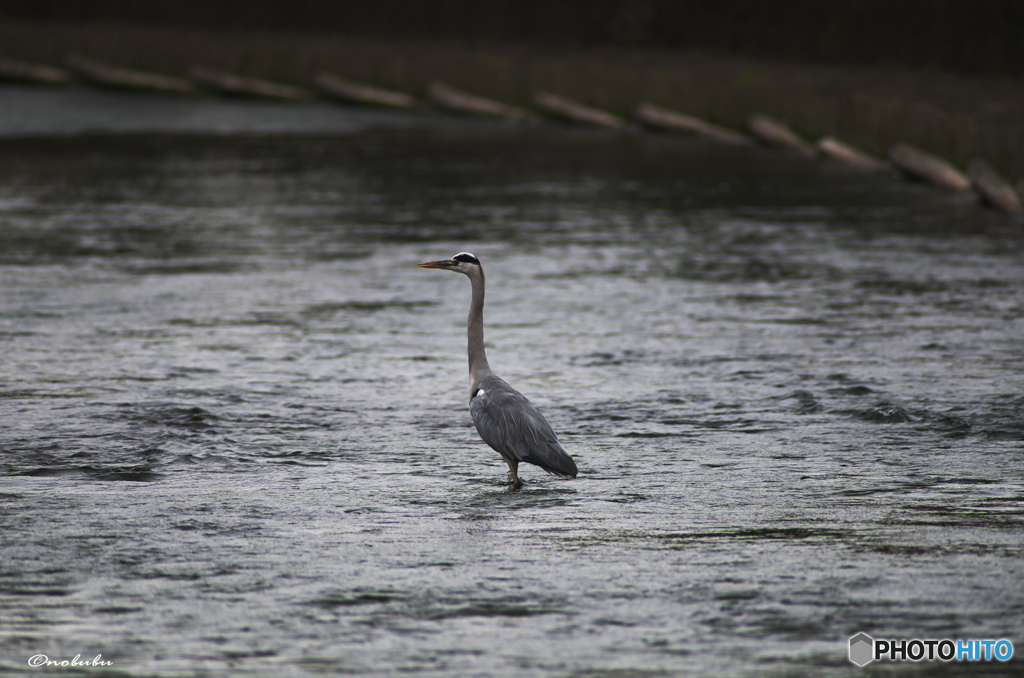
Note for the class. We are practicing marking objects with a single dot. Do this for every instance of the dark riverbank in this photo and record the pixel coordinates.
(980, 37)
(955, 116)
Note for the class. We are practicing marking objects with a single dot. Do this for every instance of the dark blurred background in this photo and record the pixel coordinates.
(964, 36)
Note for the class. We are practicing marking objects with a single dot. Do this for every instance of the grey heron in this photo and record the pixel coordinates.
(505, 419)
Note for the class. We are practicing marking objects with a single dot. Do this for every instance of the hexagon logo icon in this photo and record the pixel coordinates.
(862, 649)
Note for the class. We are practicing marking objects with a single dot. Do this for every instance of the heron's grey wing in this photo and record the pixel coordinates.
(509, 423)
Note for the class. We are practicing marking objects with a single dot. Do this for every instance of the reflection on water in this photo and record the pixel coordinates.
(235, 437)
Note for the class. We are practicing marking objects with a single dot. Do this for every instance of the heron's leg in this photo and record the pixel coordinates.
(513, 472)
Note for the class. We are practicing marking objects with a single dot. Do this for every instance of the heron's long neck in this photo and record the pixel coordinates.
(475, 329)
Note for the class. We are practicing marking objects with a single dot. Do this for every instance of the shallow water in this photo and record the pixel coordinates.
(235, 438)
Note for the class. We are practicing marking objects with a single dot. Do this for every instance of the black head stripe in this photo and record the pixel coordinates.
(466, 258)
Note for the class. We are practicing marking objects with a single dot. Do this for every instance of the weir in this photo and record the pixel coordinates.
(955, 117)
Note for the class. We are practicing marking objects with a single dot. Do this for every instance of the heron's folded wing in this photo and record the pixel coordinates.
(509, 423)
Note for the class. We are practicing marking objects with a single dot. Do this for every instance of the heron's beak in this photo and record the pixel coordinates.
(447, 263)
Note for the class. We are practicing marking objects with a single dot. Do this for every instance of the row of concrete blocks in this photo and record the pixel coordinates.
(980, 176)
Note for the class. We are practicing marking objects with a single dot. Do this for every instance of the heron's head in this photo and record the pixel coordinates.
(463, 262)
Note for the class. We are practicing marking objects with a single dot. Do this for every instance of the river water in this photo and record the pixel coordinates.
(234, 435)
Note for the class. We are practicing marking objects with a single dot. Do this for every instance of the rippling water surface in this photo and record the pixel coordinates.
(234, 436)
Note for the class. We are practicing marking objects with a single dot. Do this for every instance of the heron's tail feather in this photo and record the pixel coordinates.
(554, 460)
